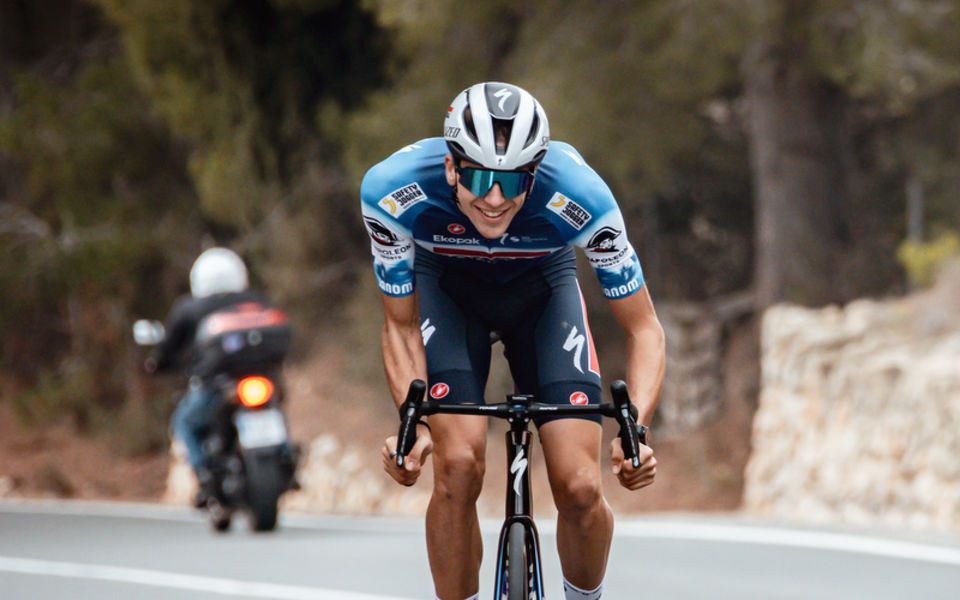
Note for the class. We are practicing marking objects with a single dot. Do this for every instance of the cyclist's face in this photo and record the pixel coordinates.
(491, 213)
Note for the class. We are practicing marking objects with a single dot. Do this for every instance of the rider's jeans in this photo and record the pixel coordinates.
(193, 415)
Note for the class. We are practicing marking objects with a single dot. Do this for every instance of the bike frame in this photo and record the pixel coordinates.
(518, 410)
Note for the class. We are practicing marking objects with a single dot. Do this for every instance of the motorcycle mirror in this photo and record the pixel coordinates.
(148, 333)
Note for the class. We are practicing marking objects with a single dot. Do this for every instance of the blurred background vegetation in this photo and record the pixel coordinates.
(803, 150)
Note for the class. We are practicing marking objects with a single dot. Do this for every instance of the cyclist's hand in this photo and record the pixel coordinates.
(630, 478)
(410, 472)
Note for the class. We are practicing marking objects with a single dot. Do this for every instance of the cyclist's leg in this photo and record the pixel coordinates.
(557, 359)
(458, 358)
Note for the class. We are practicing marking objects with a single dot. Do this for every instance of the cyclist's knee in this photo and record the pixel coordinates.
(458, 474)
(578, 493)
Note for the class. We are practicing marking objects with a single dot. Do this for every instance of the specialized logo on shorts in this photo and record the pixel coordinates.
(439, 390)
(399, 200)
(569, 211)
(426, 331)
(578, 398)
(575, 343)
(456, 228)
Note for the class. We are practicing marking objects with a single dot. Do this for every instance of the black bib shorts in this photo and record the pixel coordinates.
(539, 316)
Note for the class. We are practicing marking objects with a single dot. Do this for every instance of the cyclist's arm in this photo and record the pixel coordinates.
(646, 354)
(404, 357)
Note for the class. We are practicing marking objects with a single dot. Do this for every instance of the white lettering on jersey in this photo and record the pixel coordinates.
(399, 200)
(569, 211)
(575, 342)
(426, 330)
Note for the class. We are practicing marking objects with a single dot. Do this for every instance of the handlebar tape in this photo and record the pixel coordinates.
(409, 415)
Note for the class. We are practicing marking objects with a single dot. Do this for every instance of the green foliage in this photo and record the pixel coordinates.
(129, 131)
(923, 260)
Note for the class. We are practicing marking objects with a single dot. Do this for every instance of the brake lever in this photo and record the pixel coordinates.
(409, 415)
(627, 417)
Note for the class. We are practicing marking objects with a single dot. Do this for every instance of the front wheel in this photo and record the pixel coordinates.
(518, 567)
(265, 483)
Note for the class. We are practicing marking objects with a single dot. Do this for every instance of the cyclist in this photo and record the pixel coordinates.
(473, 234)
(218, 284)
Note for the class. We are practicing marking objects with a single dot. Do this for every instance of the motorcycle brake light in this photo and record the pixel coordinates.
(254, 391)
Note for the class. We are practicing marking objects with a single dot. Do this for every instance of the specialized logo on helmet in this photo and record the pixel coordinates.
(503, 101)
(604, 240)
(439, 390)
(380, 233)
(578, 399)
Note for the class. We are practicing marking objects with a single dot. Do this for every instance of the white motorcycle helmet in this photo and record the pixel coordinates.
(217, 271)
(478, 111)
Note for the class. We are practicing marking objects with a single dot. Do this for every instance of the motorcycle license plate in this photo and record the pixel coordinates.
(261, 428)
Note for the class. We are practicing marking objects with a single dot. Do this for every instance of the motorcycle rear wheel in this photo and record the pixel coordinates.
(264, 486)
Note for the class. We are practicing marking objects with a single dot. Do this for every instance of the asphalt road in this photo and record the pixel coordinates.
(104, 551)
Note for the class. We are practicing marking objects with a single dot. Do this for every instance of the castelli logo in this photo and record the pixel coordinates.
(578, 398)
(456, 228)
(439, 390)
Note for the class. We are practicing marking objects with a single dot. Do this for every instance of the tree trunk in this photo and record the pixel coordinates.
(795, 123)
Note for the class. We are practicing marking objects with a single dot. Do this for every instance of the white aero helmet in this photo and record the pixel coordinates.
(216, 271)
(478, 112)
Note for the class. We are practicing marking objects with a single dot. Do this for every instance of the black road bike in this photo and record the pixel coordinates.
(518, 571)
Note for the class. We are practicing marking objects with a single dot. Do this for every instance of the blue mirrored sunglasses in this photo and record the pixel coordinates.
(479, 181)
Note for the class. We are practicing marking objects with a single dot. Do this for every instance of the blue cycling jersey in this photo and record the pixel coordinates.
(408, 207)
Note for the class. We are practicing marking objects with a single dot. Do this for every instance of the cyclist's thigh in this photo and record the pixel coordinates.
(457, 343)
(555, 357)
(571, 449)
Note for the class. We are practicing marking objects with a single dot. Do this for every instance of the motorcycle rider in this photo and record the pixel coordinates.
(218, 282)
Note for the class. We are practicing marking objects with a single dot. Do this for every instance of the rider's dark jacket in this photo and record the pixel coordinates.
(179, 348)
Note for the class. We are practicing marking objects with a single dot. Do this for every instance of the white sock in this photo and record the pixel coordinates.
(572, 592)
(473, 597)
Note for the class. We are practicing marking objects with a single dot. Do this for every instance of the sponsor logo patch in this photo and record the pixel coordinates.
(442, 239)
(578, 398)
(569, 211)
(456, 228)
(604, 240)
(399, 200)
(380, 233)
(439, 390)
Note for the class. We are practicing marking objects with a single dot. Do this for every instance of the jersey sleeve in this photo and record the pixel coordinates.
(612, 256)
(594, 212)
(391, 242)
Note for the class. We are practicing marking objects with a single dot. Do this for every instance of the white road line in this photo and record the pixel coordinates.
(196, 583)
(838, 542)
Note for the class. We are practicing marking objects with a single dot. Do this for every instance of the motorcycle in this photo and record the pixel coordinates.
(251, 458)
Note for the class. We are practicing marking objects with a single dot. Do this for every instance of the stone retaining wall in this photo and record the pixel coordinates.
(859, 413)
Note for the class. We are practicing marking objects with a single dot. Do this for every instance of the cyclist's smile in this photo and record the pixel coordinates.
(491, 213)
